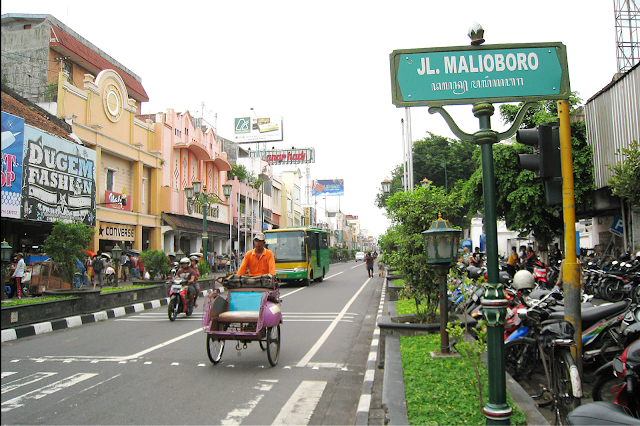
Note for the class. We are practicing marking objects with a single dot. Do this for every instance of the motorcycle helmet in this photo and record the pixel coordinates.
(523, 279)
(194, 258)
(185, 260)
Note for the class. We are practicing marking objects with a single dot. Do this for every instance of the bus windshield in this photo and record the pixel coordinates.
(287, 246)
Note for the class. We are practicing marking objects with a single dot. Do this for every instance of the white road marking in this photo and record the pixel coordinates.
(300, 406)
(19, 401)
(7, 374)
(236, 416)
(26, 380)
(303, 362)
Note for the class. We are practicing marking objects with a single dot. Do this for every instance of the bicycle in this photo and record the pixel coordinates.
(549, 344)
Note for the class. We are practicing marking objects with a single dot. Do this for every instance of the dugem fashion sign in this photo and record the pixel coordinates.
(470, 74)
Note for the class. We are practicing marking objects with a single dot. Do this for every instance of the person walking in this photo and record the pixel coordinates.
(18, 273)
(368, 260)
(98, 270)
(260, 260)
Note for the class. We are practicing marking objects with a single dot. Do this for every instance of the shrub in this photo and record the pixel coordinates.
(156, 262)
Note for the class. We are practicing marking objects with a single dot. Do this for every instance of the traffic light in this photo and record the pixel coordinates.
(545, 161)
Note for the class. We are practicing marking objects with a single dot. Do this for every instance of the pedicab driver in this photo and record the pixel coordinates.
(260, 260)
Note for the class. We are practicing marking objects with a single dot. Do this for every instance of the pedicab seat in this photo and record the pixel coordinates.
(244, 306)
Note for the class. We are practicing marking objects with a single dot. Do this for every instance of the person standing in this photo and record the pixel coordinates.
(260, 260)
(512, 262)
(98, 270)
(368, 260)
(124, 261)
(18, 273)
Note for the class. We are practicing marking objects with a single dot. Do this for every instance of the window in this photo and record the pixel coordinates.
(109, 180)
(144, 189)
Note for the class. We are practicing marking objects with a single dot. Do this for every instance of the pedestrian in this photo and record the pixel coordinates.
(18, 273)
(512, 262)
(530, 259)
(134, 267)
(194, 265)
(368, 260)
(523, 255)
(98, 270)
(124, 260)
(214, 262)
(476, 259)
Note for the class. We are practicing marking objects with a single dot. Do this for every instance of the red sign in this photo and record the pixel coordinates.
(117, 201)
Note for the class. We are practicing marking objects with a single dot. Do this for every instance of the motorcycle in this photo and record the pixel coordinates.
(179, 299)
(540, 274)
(618, 380)
(601, 413)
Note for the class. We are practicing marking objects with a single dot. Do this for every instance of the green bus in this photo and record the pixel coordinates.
(302, 254)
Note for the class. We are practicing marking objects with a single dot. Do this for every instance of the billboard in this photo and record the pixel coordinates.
(328, 187)
(12, 146)
(59, 179)
(285, 156)
(257, 129)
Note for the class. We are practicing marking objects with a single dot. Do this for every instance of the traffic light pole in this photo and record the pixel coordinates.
(571, 268)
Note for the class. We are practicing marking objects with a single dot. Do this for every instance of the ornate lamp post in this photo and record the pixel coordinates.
(198, 195)
(227, 189)
(116, 252)
(441, 245)
(6, 258)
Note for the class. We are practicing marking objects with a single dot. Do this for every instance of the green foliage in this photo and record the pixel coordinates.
(411, 213)
(546, 111)
(203, 268)
(440, 391)
(65, 244)
(128, 287)
(625, 180)
(472, 350)
(520, 199)
(429, 158)
(156, 262)
(239, 171)
(29, 300)
(51, 91)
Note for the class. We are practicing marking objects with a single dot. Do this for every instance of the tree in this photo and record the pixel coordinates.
(430, 155)
(156, 262)
(625, 180)
(66, 243)
(403, 246)
(520, 199)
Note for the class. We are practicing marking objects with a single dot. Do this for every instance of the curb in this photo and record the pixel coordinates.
(60, 324)
(364, 404)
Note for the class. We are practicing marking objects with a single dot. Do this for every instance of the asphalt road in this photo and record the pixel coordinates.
(144, 369)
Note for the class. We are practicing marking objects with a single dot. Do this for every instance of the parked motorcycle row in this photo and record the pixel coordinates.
(610, 337)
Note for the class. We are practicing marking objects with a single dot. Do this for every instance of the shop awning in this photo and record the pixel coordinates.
(193, 224)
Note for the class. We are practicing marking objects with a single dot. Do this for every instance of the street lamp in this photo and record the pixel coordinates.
(441, 246)
(227, 189)
(116, 252)
(5, 256)
(386, 186)
(197, 194)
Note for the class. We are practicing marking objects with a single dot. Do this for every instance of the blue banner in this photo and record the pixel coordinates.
(328, 187)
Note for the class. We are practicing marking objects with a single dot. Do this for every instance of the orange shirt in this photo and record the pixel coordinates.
(266, 264)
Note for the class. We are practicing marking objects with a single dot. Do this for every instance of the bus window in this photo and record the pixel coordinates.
(287, 246)
(324, 241)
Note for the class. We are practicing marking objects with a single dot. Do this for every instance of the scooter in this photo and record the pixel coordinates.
(601, 413)
(179, 299)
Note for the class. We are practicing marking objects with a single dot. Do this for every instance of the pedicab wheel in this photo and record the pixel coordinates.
(263, 344)
(273, 344)
(215, 347)
(173, 309)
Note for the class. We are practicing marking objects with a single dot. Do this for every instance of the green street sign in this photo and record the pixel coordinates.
(460, 75)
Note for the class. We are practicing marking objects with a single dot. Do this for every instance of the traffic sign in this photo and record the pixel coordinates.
(618, 226)
(459, 75)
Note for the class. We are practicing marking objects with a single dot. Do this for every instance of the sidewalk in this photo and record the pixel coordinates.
(386, 395)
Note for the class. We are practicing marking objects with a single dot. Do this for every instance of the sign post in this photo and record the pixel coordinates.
(480, 75)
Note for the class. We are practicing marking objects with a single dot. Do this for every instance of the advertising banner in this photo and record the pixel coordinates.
(59, 179)
(285, 156)
(12, 147)
(116, 232)
(118, 201)
(328, 187)
(257, 129)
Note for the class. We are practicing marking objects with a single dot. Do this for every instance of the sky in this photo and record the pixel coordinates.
(324, 67)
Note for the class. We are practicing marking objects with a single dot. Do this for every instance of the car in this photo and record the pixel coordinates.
(360, 256)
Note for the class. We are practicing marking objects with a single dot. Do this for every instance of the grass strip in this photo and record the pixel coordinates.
(440, 391)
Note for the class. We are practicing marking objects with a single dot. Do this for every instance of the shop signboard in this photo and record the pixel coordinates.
(328, 187)
(285, 156)
(118, 201)
(116, 232)
(12, 148)
(59, 179)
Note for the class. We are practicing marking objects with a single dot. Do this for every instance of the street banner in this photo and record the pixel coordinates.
(257, 129)
(59, 179)
(12, 149)
(460, 75)
(328, 187)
